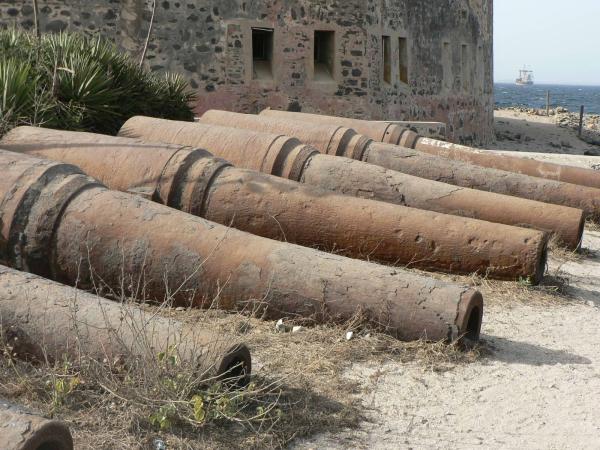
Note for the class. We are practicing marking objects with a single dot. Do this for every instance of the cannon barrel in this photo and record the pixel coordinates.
(388, 132)
(23, 430)
(465, 166)
(329, 139)
(466, 175)
(282, 209)
(541, 169)
(58, 221)
(33, 308)
(254, 150)
(564, 159)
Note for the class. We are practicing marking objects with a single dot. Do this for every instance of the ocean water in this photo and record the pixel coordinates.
(570, 97)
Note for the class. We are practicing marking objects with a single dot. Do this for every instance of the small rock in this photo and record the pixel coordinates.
(297, 329)
(280, 326)
(180, 308)
(349, 335)
(159, 444)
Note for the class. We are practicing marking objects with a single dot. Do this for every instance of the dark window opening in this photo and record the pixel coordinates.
(447, 66)
(403, 60)
(387, 59)
(479, 72)
(324, 57)
(466, 67)
(262, 53)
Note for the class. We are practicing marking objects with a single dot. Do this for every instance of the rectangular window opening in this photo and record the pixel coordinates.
(262, 53)
(479, 72)
(447, 66)
(403, 60)
(465, 76)
(387, 59)
(324, 55)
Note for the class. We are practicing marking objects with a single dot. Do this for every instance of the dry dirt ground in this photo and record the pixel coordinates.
(538, 384)
(533, 383)
(520, 131)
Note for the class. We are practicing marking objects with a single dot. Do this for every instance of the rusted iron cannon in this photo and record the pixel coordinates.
(551, 171)
(467, 175)
(196, 182)
(23, 430)
(434, 130)
(258, 151)
(59, 222)
(395, 133)
(388, 132)
(334, 140)
(442, 161)
(32, 309)
(583, 161)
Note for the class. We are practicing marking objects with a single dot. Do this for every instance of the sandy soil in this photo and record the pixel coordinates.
(520, 131)
(537, 387)
(535, 383)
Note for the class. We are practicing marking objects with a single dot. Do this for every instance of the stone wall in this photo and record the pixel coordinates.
(448, 48)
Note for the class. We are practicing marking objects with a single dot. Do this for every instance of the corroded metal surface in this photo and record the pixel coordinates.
(442, 161)
(274, 154)
(466, 175)
(196, 182)
(567, 223)
(369, 181)
(148, 250)
(332, 140)
(376, 230)
(435, 130)
(23, 430)
(378, 131)
(542, 169)
(32, 309)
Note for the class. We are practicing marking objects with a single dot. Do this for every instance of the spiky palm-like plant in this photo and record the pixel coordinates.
(74, 82)
(17, 93)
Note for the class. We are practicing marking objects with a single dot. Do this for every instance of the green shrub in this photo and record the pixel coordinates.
(17, 93)
(69, 81)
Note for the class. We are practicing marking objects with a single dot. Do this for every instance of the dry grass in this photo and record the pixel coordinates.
(313, 362)
(592, 226)
(299, 379)
(298, 386)
(552, 291)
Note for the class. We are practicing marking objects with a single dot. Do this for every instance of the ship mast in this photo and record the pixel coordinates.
(525, 76)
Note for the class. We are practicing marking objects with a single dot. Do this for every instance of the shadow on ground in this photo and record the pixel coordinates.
(515, 352)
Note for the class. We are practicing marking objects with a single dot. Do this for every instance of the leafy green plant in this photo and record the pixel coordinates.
(192, 401)
(62, 384)
(525, 281)
(74, 82)
(17, 93)
(164, 417)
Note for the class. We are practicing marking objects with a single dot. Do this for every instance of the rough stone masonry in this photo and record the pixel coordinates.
(373, 59)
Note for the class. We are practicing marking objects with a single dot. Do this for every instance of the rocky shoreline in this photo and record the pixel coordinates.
(564, 118)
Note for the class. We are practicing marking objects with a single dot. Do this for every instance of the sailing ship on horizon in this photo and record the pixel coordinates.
(525, 77)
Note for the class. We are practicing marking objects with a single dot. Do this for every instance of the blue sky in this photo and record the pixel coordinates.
(558, 39)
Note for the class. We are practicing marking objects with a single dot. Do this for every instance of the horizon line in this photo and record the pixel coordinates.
(551, 83)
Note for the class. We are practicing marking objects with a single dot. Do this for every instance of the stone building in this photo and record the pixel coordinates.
(378, 59)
